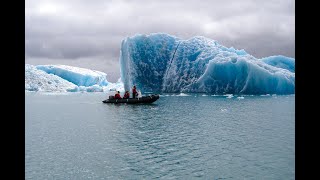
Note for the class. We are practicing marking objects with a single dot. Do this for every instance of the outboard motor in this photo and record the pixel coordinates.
(139, 94)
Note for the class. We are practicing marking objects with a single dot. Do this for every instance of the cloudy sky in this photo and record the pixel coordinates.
(88, 33)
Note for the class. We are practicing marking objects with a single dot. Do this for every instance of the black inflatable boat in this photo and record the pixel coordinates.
(143, 99)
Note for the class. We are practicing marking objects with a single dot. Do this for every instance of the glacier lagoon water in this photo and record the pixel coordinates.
(76, 136)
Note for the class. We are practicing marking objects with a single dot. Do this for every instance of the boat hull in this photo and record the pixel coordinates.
(142, 100)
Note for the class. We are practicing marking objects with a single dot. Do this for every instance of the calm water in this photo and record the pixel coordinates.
(76, 136)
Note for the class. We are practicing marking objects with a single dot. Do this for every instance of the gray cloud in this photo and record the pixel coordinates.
(88, 33)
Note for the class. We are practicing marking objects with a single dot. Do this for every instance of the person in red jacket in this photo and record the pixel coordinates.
(117, 95)
(134, 92)
(126, 95)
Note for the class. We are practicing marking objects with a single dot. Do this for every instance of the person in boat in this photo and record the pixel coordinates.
(117, 95)
(126, 95)
(134, 92)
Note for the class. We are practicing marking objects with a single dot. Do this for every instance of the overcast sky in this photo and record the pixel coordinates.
(88, 33)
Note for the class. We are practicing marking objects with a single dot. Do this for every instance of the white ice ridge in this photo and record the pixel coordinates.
(37, 80)
(76, 75)
(62, 78)
(163, 63)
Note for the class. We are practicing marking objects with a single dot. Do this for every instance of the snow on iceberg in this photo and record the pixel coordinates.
(163, 63)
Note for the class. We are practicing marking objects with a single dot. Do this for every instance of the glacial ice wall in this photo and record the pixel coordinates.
(146, 58)
(163, 63)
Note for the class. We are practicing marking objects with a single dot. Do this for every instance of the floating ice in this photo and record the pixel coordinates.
(183, 94)
(230, 96)
(164, 63)
(265, 95)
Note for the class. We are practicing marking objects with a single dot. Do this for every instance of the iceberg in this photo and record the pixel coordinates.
(37, 80)
(76, 75)
(164, 63)
(63, 78)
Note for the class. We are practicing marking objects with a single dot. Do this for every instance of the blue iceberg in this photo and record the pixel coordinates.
(164, 63)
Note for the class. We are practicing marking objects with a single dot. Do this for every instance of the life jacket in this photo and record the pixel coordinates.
(117, 96)
(126, 95)
(134, 91)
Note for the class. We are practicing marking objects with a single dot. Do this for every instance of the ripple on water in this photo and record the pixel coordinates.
(204, 137)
